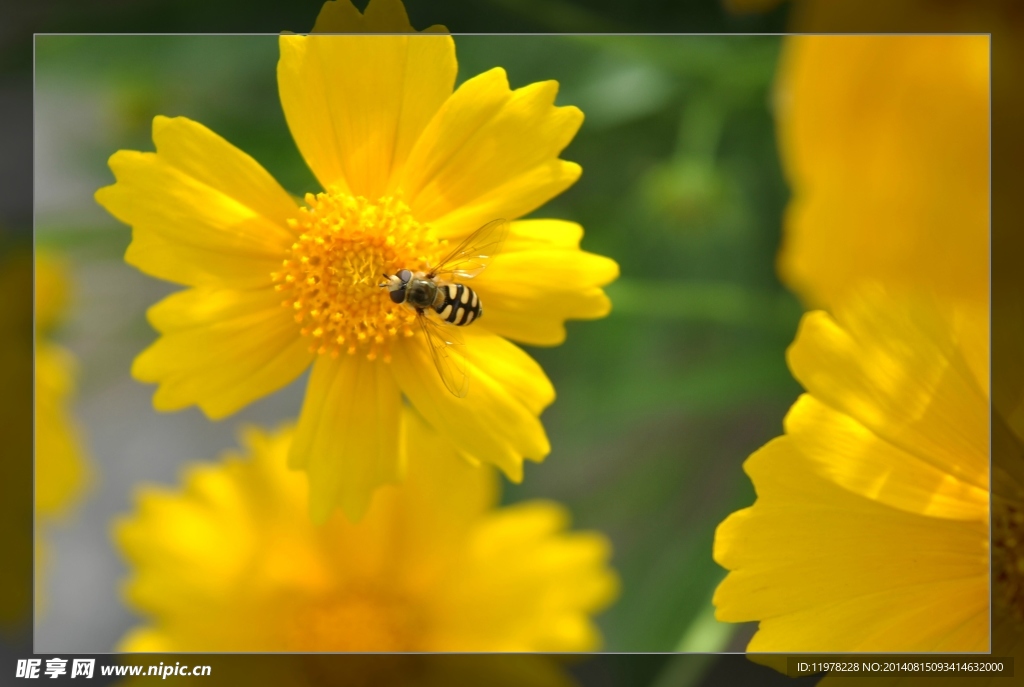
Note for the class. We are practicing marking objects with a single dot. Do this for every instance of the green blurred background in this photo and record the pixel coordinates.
(658, 404)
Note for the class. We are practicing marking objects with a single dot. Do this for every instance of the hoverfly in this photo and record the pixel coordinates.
(455, 303)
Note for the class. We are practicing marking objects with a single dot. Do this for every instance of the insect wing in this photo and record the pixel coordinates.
(472, 255)
(451, 365)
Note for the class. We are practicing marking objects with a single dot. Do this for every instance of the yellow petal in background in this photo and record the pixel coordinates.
(51, 290)
(200, 555)
(941, 617)
(884, 140)
(220, 349)
(540, 280)
(233, 563)
(490, 152)
(846, 452)
(356, 104)
(349, 435)
(825, 569)
(497, 422)
(522, 550)
(871, 527)
(61, 471)
(424, 505)
(900, 369)
(201, 210)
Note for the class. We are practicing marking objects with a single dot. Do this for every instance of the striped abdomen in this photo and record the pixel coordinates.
(460, 306)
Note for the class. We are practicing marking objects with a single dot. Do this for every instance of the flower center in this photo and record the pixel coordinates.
(330, 277)
(1008, 555)
(359, 620)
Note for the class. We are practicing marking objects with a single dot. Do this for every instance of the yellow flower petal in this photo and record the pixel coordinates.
(435, 507)
(885, 140)
(540, 280)
(937, 617)
(61, 473)
(849, 454)
(51, 292)
(348, 435)
(186, 567)
(144, 640)
(523, 548)
(497, 420)
(233, 562)
(356, 104)
(897, 369)
(201, 210)
(61, 470)
(220, 349)
(809, 546)
(871, 527)
(381, 16)
(435, 472)
(363, 110)
(490, 152)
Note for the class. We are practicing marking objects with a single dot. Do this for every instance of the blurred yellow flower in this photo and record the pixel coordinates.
(233, 563)
(62, 472)
(884, 140)
(59, 470)
(870, 529)
(410, 168)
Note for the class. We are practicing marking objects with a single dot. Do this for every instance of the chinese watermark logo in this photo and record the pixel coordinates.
(55, 667)
(28, 667)
(83, 667)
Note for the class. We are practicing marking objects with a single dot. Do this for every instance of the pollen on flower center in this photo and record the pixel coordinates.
(330, 276)
(1008, 555)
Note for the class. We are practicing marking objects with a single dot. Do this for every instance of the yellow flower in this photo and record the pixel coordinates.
(61, 469)
(410, 168)
(62, 472)
(884, 140)
(233, 563)
(870, 529)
